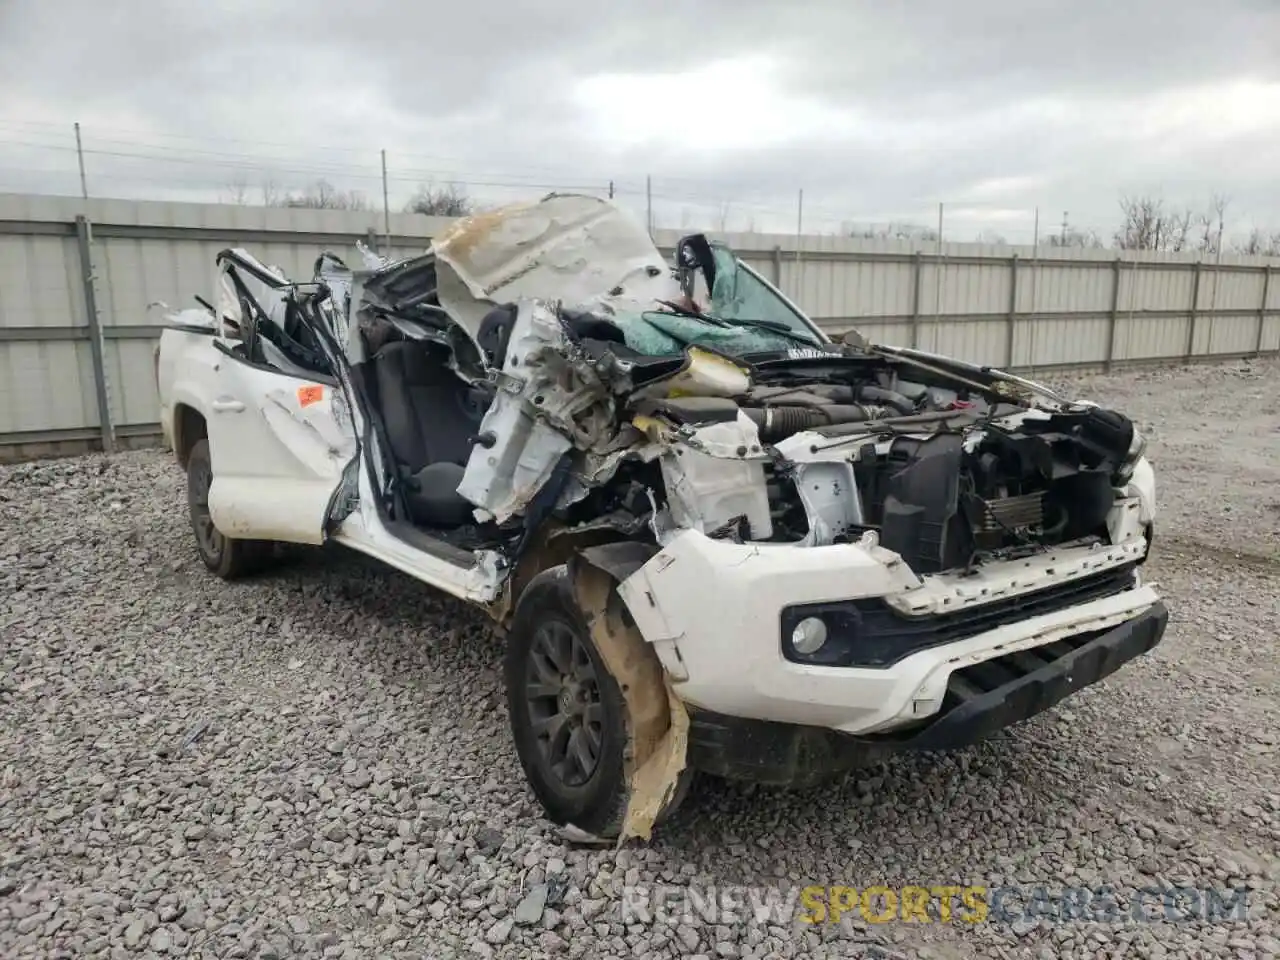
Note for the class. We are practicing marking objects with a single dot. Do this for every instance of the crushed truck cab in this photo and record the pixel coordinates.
(715, 539)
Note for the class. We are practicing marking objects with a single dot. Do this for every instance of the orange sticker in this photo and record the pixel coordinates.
(310, 395)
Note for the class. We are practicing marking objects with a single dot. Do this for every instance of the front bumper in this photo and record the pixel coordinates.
(794, 755)
(712, 611)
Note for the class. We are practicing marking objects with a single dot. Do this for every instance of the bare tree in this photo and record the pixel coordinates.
(1258, 243)
(1212, 223)
(1142, 224)
(322, 195)
(722, 217)
(1148, 224)
(1074, 237)
(449, 200)
(271, 195)
(236, 191)
(1178, 226)
(991, 238)
(896, 231)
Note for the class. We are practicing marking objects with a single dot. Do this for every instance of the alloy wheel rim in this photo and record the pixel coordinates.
(565, 708)
(202, 520)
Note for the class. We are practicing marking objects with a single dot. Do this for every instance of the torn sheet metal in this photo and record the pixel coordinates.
(705, 374)
(550, 399)
(657, 722)
(710, 487)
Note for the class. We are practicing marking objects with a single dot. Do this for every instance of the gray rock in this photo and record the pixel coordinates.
(134, 933)
(358, 779)
(31, 923)
(687, 936)
(529, 910)
(500, 931)
(1024, 925)
(489, 840)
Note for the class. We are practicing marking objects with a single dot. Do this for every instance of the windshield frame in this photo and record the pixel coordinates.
(791, 305)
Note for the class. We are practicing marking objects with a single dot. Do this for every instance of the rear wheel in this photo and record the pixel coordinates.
(229, 558)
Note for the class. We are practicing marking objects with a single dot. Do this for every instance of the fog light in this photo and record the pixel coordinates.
(809, 635)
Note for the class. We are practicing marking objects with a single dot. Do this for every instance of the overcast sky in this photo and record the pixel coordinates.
(877, 110)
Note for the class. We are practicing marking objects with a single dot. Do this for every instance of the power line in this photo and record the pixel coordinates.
(723, 197)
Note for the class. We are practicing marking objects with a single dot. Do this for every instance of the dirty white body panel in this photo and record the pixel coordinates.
(277, 471)
(722, 647)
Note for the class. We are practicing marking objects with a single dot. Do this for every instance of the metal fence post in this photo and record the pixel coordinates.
(777, 266)
(917, 271)
(105, 423)
(1195, 305)
(1013, 311)
(1112, 315)
(1262, 309)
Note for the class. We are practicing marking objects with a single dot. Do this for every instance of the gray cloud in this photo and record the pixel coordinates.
(877, 110)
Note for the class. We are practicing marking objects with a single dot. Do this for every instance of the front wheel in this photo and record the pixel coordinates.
(229, 558)
(568, 715)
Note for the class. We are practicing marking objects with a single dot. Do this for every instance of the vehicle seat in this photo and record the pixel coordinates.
(430, 415)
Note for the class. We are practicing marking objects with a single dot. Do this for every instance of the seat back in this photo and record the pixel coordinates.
(430, 414)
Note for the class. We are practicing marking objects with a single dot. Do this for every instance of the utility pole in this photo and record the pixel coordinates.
(799, 242)
(610, 189)
(386, 208)
(648, 202)
(1035, 273)
(1064, 228)
(84, 188)
(937, 280)
(1217, 259)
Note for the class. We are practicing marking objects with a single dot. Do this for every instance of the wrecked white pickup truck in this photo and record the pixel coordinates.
(715, 539)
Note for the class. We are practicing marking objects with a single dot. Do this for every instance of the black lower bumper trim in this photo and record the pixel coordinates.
(978, 713)
(981, 699)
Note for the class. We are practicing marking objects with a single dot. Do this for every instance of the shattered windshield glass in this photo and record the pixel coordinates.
(740, 295)
(743, 315)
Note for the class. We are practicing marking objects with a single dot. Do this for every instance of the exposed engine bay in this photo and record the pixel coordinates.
(822, 451)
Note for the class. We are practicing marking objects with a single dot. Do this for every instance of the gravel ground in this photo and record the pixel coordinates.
(317, 763)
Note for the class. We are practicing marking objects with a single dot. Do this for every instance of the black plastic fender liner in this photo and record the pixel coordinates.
(621, 559)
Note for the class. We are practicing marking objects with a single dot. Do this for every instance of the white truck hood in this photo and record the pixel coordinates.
(575, 249)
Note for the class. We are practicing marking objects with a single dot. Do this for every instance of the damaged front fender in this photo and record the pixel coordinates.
(657, 722)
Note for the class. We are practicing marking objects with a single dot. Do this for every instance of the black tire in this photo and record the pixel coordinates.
(227, 557)
(595, 801)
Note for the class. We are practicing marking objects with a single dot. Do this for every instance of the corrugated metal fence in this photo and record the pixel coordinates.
(76, 279)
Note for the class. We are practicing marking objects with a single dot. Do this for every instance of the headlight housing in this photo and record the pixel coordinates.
(1137, 447)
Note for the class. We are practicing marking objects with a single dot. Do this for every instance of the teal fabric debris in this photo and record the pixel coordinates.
(656, 334)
